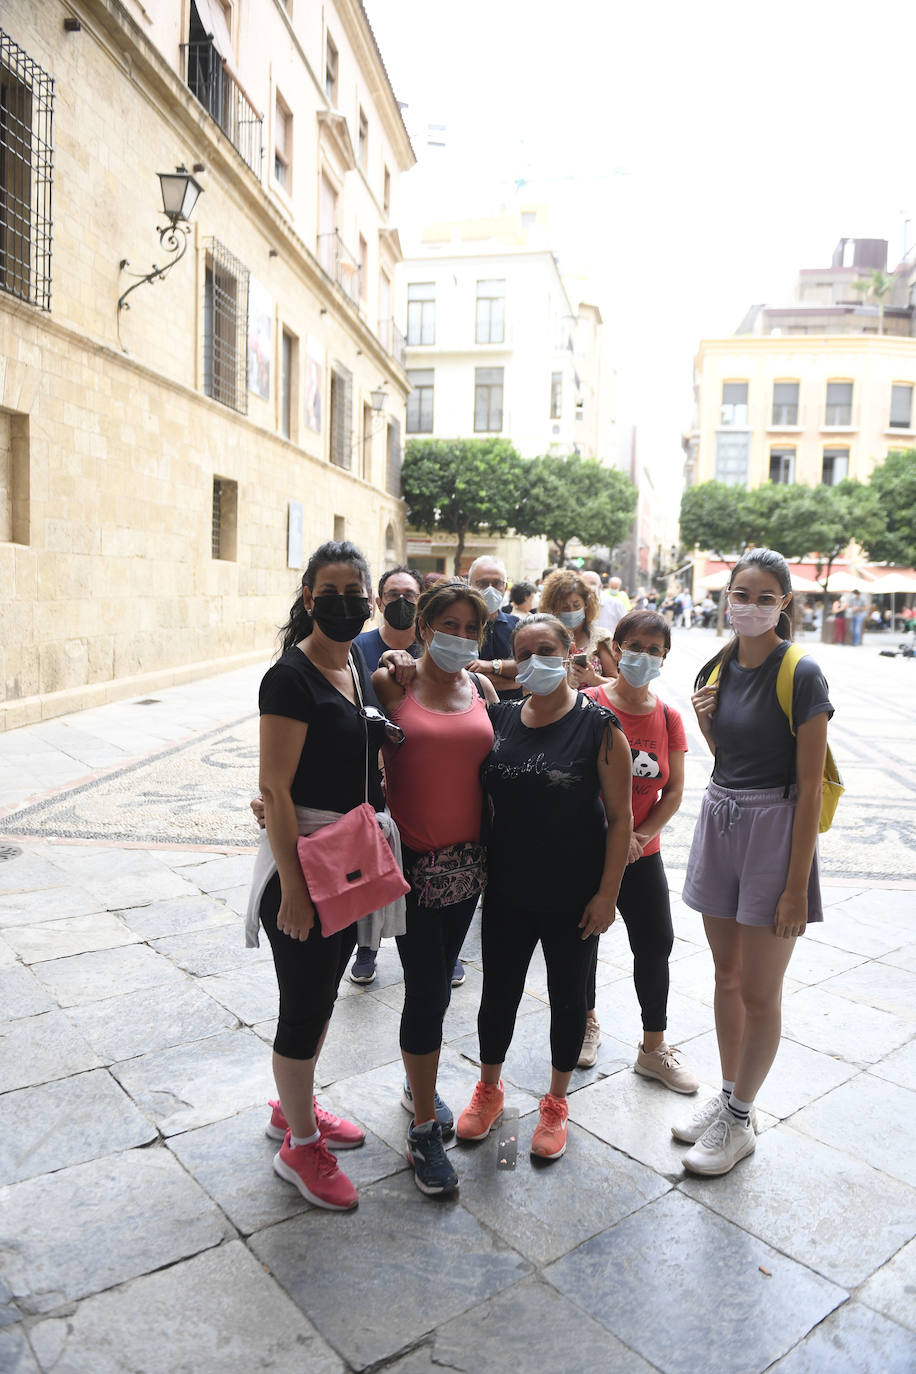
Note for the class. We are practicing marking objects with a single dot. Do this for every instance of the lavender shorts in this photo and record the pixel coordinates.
(739, 859)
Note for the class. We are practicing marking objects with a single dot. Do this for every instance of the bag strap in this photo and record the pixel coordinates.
(359, 698)
(476, 681)
(785, 681)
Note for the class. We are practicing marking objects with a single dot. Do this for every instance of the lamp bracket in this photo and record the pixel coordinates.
(173, 237)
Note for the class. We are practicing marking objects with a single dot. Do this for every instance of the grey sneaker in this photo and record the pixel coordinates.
(665, 1064)
(721, 1145)
(588, 1054)
(443, 1112)
(690, 1128)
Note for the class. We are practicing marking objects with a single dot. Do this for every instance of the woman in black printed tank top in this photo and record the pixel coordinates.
(556, 855)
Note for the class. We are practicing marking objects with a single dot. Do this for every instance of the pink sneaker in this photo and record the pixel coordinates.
(549, 1139)
(339, 1134)
(315, 1172)
(482, 1112)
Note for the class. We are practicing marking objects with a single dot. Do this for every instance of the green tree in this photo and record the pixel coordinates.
(714, 515)
(462, 486)
(875, 288)
(575, 498)
(894, 485)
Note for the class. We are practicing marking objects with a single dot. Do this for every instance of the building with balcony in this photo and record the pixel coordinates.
(169, 456)
(495, 347)
(816, 391)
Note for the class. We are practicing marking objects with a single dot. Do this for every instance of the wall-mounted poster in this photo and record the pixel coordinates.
(314, 383)
(294, 539)
(260, 319)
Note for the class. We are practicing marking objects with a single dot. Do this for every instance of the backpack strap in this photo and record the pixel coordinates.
(476, 681)
(785, 681)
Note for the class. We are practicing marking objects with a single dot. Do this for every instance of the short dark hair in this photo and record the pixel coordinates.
(401, 568)
(642, 623)
(521, 592)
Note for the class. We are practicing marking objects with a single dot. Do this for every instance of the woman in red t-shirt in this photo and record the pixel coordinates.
(658, 744)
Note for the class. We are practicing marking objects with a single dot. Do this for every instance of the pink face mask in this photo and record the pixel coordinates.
(754, 620)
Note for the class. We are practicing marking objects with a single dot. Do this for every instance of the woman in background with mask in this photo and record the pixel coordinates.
(655, 733)
(752, 870)
(555, 860)
(434, 793)
(319, 756)
(575, 603)
(398, 593)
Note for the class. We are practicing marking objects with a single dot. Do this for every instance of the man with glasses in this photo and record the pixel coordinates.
(487, 576)
(398, 593)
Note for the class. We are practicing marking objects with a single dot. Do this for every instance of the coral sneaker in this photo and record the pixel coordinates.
(339, 1134)
(315, 1172)
(549, 1139)
(482, 1112)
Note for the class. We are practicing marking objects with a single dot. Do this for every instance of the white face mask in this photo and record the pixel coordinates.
(638, 669)
(493, 597)
(542, 674)
(753, 620)
(451, 653)
(573, 619)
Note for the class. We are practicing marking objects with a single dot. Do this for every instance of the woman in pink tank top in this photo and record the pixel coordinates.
(434, 794)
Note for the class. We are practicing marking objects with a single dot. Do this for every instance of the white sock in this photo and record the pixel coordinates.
(297, 1140)
(739, 1109)
(727, 1089)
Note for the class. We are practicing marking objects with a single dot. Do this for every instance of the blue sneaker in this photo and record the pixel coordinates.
(443, 1113)
(363, 967)
(458, 974)
(432, 1172)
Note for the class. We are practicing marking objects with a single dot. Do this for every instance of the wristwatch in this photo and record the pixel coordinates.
(497, 666)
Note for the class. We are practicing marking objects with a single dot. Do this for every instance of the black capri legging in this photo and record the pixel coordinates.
(645, 906)
(428, 952)
(508, 938)
(308, 974)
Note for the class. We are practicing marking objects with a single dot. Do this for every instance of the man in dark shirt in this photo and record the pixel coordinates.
(488, 576)
(398, 593)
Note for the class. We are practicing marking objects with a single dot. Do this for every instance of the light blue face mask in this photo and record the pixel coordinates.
(541, 674)
(572, 619)
(493, 597)
(451, 653)
(638, 669)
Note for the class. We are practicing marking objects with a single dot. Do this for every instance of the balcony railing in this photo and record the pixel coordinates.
(225, 101)
(340, 264)
(393, 341)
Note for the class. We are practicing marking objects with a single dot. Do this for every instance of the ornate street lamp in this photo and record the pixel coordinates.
(180, 191)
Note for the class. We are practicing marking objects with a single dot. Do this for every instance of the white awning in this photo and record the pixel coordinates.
(213, 21)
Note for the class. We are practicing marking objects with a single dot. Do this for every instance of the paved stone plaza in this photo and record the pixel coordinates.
(143, 1229)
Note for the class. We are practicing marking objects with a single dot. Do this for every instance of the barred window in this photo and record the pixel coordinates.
(26, 110)
(226, 328)
(224, 519)
(341, 427)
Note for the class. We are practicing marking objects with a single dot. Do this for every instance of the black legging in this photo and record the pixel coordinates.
(308, 974)
(509, 936)
(428, 952)
(644, 904)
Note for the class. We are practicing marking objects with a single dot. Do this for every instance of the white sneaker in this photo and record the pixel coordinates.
(721, 1145)
(666, 1065)
(690, 1128)
(588, 1054)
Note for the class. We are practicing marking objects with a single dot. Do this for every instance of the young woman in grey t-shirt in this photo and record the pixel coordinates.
(752, 870)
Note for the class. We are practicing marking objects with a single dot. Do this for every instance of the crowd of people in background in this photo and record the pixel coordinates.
(517, 757)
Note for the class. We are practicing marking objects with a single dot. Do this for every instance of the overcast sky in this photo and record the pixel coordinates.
(693, 156)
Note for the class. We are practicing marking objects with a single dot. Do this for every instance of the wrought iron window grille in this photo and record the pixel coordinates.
(26, 175)
(225, 360)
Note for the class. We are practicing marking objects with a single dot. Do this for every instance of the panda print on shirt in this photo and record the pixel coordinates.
(645, 764)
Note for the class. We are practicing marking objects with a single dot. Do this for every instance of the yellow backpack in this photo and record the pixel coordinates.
(832, 787)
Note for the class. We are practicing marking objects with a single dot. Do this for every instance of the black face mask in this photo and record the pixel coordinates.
(340, 617)
(400, 614)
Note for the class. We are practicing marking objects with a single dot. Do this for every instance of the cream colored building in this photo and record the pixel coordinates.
(810, 392)
(166, 469)
(495, 348)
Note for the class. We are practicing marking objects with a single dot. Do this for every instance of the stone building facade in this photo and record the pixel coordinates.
(166, 469)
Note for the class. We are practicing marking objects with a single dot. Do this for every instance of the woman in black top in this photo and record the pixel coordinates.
(555, 860)
(314, 743)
